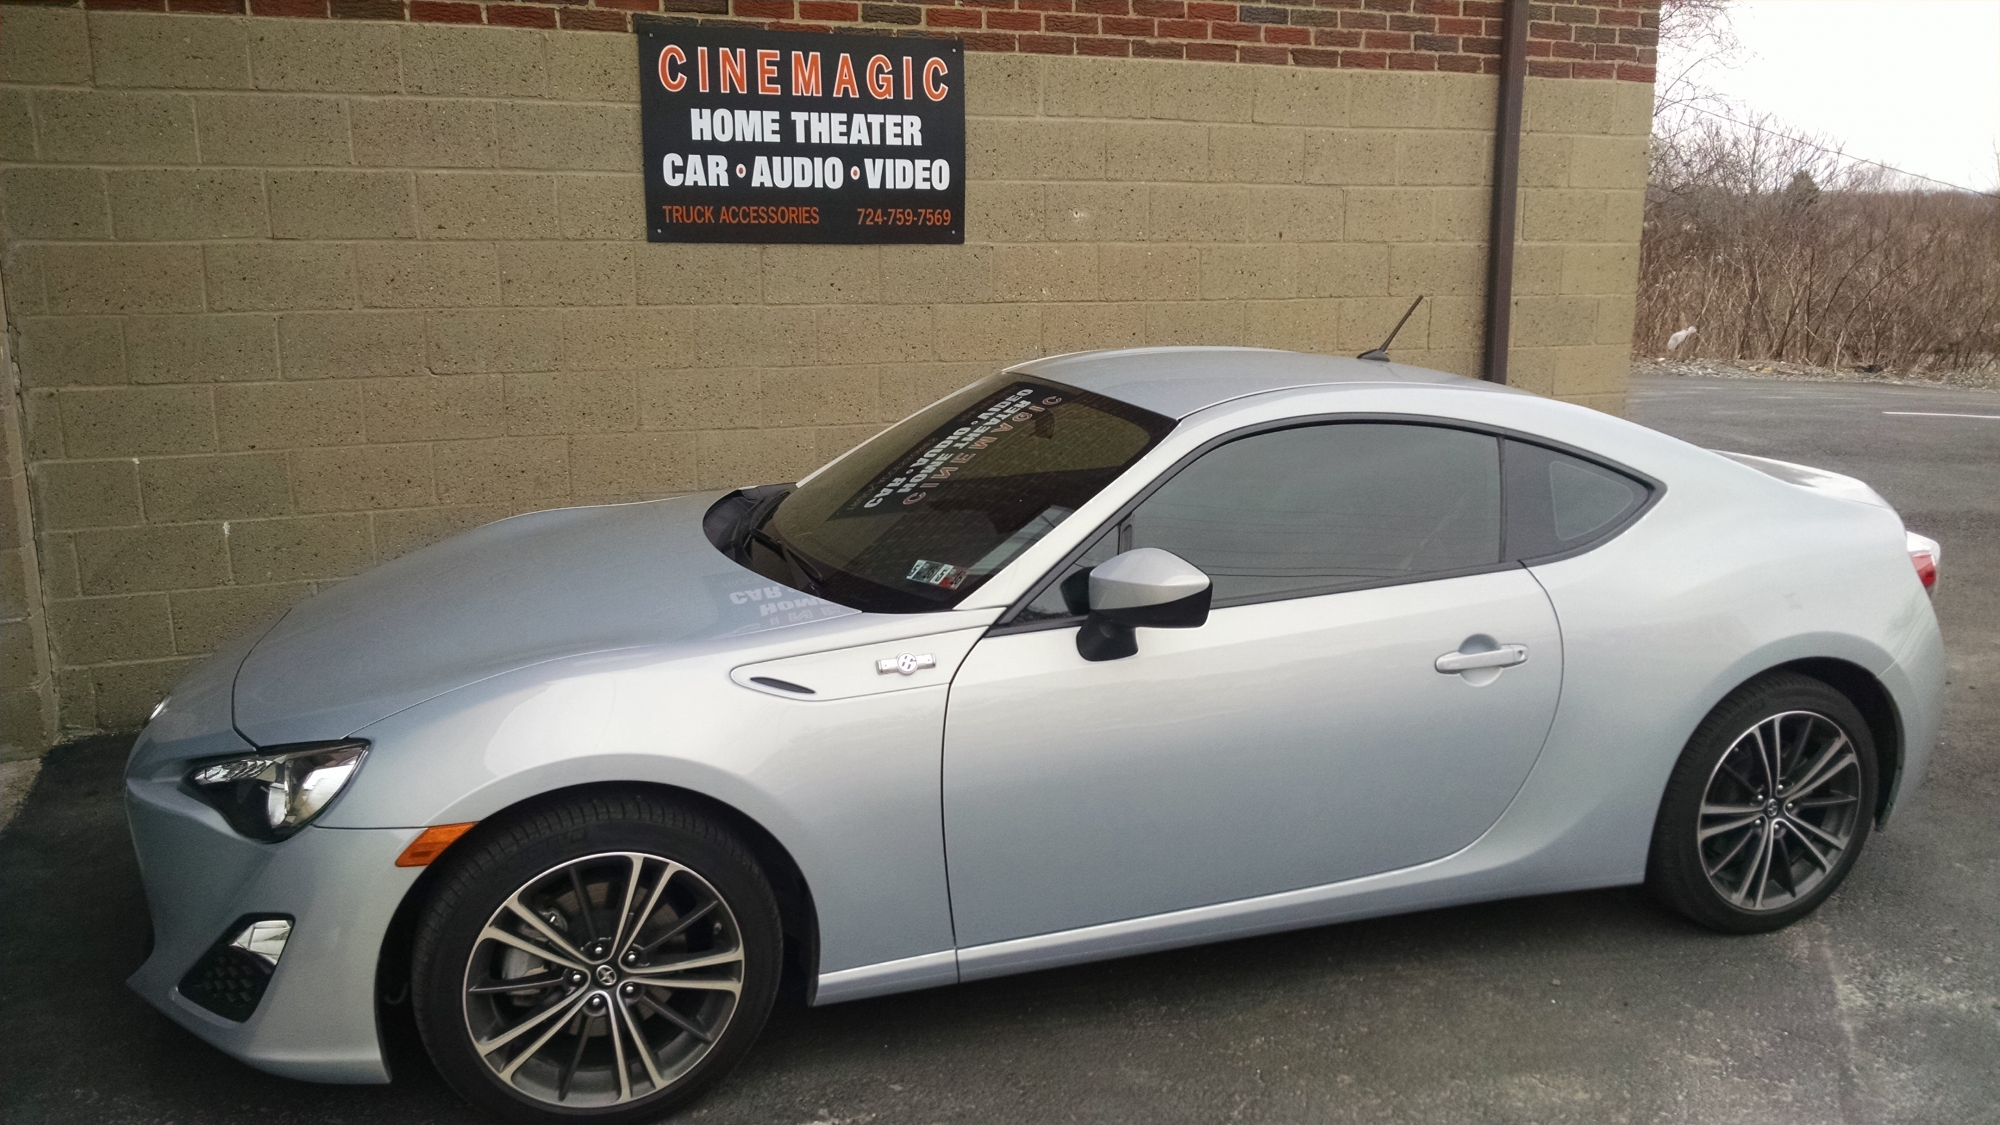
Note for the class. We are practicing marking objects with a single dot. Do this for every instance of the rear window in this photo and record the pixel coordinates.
(925, 512)
(1558, 503)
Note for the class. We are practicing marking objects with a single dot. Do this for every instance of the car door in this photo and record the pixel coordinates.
(1305, 734)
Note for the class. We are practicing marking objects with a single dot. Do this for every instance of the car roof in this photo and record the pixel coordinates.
(1178, 381)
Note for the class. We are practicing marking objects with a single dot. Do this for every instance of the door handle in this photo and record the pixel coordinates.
(1506, 656)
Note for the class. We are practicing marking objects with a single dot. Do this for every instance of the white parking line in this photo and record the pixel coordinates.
(1938, 414)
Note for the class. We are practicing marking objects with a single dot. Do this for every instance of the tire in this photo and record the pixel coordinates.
(1734, 853)
(550, 1052)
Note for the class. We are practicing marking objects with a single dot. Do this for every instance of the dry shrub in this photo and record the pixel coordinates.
(1776, 247)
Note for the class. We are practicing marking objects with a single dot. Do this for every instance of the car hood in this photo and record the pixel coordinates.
(525, 590)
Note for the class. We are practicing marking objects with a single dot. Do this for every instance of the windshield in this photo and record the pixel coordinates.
(921, 514)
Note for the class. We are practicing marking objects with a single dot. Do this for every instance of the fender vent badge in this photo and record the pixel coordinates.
(908, 664)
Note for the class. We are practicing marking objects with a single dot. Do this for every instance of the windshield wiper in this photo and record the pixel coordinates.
(753, 530)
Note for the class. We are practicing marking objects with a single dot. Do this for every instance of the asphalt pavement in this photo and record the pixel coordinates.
(1884, 1006)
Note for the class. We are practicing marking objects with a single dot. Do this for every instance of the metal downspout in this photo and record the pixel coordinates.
(1506, 191)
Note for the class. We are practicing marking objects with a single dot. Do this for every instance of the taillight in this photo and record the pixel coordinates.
(1924, 555)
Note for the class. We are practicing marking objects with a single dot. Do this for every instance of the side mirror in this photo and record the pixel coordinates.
(1145, 587)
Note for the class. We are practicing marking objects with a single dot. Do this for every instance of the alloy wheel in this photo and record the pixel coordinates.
(603, 980)
(1780, 811)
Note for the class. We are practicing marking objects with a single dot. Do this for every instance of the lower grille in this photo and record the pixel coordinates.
(231, 977)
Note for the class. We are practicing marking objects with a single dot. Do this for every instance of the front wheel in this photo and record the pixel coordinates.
(601, 960)
(1768, 807)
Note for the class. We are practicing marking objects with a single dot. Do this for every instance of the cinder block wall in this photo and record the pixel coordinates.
(290, 298)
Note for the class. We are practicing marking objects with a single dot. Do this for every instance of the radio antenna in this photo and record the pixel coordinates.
(1381, 354)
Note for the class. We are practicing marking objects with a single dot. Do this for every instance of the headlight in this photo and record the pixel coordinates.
(275, 792)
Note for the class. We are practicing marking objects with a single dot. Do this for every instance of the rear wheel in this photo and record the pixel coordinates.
(600, 960)
(1768, 807)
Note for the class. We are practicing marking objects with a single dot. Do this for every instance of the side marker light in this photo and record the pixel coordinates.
(431, 843)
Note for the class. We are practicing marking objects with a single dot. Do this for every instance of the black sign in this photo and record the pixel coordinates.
(764, 136)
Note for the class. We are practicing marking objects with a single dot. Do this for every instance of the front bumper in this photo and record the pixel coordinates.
(316, 1020)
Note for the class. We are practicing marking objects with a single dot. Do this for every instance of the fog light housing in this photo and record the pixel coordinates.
(273, 793)
(231, 977)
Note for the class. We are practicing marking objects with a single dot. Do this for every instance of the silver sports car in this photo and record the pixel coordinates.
(1108, 653)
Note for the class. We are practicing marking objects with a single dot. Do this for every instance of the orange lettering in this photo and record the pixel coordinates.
(843, 78)
(805, 74)
(881, 78)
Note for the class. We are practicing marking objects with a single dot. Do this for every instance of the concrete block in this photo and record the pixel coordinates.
(610, 207)
(1231, 273)
(1085, 327)
(824, 396)
(1601, 268)
(44, 46)
(300, 548)
(84, 278)
(1148, 273)
(632, 466)
(1350, 156)
(53, 203)
(269, 416)
(347, 345)
(1545, 160)
(361, 478)
(1389, 215)
(41, 413)
(740, 458)
(1041, 149)
(873, 334)
(126, 693)
(587, 66)
(433, 407)
(431, 275)
(1555, 105)
(202, 348)
(1002, 85)
(1434, 269)
(1300, 96)
(1632, 109)
(132, 421)
(1295, 214)
(1194, 322)
(483, 340)
(477, 62)
(340, 204)
(1045, 272)
(689, 274)
(1596, 370)
(130, 560)
(77, 494)
(991, 332)
(1615, 317)
(1199, 213)
(1302, 325)
(818, 275)
(185, 204)
(570, 402)
(1537, 269)
(1559, 215)
(1393, 100)
(1094, 213)
(398, 533)
(1365, 321)
(142, 49)
(1439, 157)
(1457, 322)
(1554, 321)
(205, 620)
(263, 130)
(1256, 154)
(572, 138)
(96, 630)
(1095, 87)
(232, 486)
(699, 399)
(1156, 152)
(612, 339)
(1609, 162)
(69, 351)
(771, 336)
(906, 388)
(1002, 212)
(1197, 91)
(423, 133)
(1624, 214)
(17, 120)
(111, 127)
(280, 275)
(332, 56)
(1466, 101)
(497, 470)
(922, 274)
(566, 273)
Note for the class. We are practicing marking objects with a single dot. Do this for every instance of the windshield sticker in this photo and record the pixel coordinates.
(906, 484)
(942, 575)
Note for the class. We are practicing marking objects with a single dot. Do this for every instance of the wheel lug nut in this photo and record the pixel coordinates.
(575, 977)
(631, 989)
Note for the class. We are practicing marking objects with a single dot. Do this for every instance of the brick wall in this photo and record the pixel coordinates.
(292, 297)
(1588, 39)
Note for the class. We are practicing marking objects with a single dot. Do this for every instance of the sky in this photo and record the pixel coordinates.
(1911, 83)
